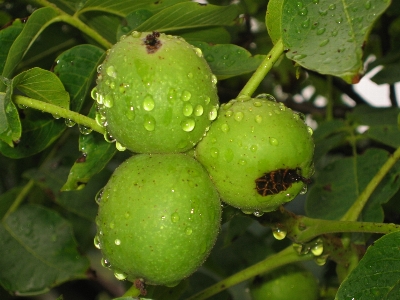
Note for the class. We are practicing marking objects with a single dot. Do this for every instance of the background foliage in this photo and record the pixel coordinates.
(51, 168)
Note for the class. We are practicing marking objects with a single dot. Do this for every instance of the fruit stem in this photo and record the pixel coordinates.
(59, 111)
(263, 69)
(355, 210)
(133, 292)
(286, 256)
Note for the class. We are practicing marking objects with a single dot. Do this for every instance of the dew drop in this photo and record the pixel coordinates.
(239, 116)
(273, 141)
(258, 213)
(258, 119)
(98, 196)
(321, 31)
(120, 276)
(130, 114)
(324, 42)
(198, 111)
(69, 123)
(198, 52)
(332, 6)
(242, 162)
(100, 119)
(225, 127)
(214, 152)
(315, 1)
(190, 75)
(323, 12)
(112, 225)
(299, 56)
(207, 100)
(148, 103)
(122, 37)
(108, 137)
(367, 4)
(321, 260)
(117, 242)
(108, 101)
(303, 11)
(171, 96)
(111, 72)
(187, 109)
(212, 115)
(105, 263)
(298, 247)
(257, 104)
(85, 130)
(56, 116)
(188, 124)
(188, 231)
(149, 123)
(175, 217)
(306, 23)
(99, 68)
(127, 215)
(93, 93)
(253, 148)
(214, 79)
(186, 95)
(120, 147)
(310, 130)
(334, 33)
(229, 113)
(96, 242)
(136, 34)
(279, 233)
(318, 248)
(339, 20)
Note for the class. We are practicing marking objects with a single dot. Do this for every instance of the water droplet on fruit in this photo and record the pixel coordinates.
(258, 119)
(253, 148)
(117, 242)
(187, 109)
(127, 215)
(207, 100)
(188, 231)
(136, 34)
(190, 75)
(96, 242)
(239, 116)
(273, 141)
(175, 217)
(112, 225)
(148, 103)
(297, 247)
(247, 212)
(318, 247)
(93, 93)
(149, 123)
(212, 115)
(100, 119)
(188, 124)
(258, 213)
(108, 101)
(98, 196)
(310, 130)
(198, 52)
(214, 152)
(279, 233)
(186, 95)
(105, 263)
(120, 276)
(229, 113)
(304, 190)
(120, 147)
(99, 68)
(242, 162)
(111, 72)
(122, 37)
(85, 130)
(198, 111)
(225, 127)
(257, 104)
(108, 137)
(69, 123)
(214, 79)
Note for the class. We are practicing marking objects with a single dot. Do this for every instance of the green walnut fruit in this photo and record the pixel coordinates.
(288, 282)
(259, 154)
(158, 218)
(155, 93)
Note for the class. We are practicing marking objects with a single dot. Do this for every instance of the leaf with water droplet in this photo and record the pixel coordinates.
(300, 40)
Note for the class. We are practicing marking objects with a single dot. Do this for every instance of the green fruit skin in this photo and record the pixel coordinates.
(251, 138)
(158, 218)
(289, 282)
(159, 102)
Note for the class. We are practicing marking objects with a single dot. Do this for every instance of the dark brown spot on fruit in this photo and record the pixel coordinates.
(152, 42)
(277, 181)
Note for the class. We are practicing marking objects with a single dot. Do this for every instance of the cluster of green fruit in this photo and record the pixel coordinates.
(159, 214)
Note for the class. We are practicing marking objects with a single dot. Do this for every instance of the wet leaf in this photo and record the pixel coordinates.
(38, 251)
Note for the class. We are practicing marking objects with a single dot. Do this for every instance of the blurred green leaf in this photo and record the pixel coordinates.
(39, 20)
(228, 60)
(381, 122)
(341, 182)
(38, 251)
(377, 274)
(328, 37)
(390, 74)
(190, 15)
(7, 199)
(328, 136)
(76, 68)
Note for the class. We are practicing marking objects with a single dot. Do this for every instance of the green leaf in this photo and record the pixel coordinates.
(10, 125)
(7, 37)
(190, 15)
(124, 7)
(228, 60)
(390, 74)
(42, 85)
(132, 21)
(341, 182)
(7, 199)
(328, 36)
(76, 68)
(36, 23)
(96, 153)
(213, 35)
(38, 251)
(273, 19)
(377, 274)
(328, 136)
(381, 122)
